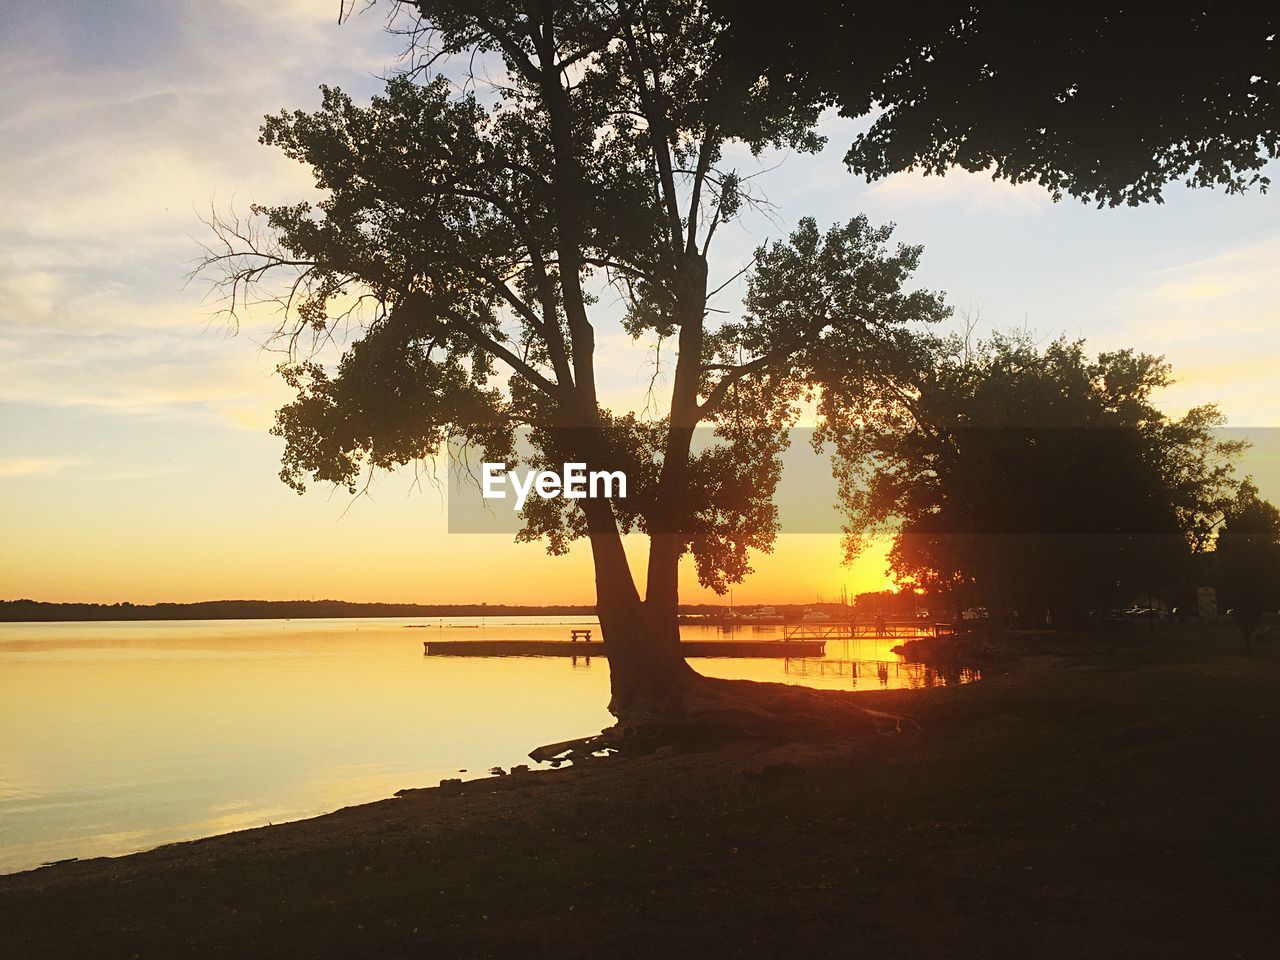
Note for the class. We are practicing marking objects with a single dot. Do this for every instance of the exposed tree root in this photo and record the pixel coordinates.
(706, 711)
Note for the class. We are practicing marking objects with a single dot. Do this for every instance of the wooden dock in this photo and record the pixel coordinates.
(595, 648)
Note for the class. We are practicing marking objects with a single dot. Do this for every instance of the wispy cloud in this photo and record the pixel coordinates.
(120, 124)
(1245, 273)
(147, 372)
(139, 473)
(972, 192)
(35, 466)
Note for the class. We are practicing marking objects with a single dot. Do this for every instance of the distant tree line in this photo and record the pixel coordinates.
(12, 611)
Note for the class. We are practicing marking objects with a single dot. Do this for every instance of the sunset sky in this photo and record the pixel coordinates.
(135, 462)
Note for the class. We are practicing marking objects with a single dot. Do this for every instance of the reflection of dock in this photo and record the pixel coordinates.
(595, 648)
(854, 668)
(916, 674)
(865, 630)
(905, 629)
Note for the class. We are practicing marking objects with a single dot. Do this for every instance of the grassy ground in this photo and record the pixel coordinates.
(1103, 799)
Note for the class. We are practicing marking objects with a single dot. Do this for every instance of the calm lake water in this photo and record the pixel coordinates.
(116, 737)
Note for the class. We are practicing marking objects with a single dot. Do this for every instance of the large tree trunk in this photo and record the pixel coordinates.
(649, 679)
(667, 537)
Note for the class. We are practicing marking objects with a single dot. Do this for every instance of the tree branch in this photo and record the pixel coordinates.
(512, 359)
(657, 138)
(734, 375)
(704, 164)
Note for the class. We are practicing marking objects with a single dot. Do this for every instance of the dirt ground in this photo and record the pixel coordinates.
(1093, 798)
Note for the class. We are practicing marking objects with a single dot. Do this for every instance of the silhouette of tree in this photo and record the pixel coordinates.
(1248, 557)
(465, 240)
(1037, 480)
(1108, 102)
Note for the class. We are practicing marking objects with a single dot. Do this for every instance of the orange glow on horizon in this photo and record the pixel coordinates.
(443, 569)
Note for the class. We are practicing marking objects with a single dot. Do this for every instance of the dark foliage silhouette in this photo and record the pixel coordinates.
(1106, 102)
(1036, 480)
(1248, 558)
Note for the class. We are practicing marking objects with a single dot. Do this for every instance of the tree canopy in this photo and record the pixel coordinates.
(1106, 102)
(467, 340)
(1041, 479)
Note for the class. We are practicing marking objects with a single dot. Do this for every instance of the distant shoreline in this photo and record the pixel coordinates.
(34, 611)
